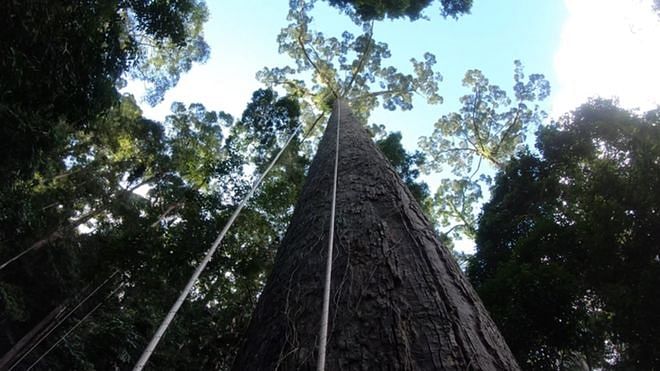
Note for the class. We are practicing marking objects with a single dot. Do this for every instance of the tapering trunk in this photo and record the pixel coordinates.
(398, 299)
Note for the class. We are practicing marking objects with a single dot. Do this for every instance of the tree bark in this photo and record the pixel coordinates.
(398, 299)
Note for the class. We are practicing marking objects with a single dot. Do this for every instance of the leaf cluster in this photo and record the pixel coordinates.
(65, 61)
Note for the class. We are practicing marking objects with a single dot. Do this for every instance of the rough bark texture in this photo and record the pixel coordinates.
(399, 300)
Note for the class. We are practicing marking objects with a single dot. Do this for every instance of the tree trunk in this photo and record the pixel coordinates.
(31, 337)
(398, 299)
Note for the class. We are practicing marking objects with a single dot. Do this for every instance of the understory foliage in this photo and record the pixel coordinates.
(88, 223)
(568, 248)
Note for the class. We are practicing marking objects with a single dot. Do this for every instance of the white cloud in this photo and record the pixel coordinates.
(608, 48)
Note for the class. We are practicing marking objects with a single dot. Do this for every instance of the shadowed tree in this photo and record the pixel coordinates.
(398, 299)
(568, 247)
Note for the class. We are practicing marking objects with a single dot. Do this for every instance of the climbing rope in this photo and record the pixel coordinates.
(323, 335)
(207, 258)
(74, 327)
(33, 347)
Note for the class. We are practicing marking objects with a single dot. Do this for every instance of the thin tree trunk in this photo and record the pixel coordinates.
(31, 337)
(399, 300)
(61, 231)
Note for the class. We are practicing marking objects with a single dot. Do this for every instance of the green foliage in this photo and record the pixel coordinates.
(196, 145)
(169, 37)
(379, 9)
(347, 66)
(266, 124)
(268, 121)
(406, 165)
(12, 302)
(71, 199)
(483, 134)
(64, 61)
(567, 248)
(195, 170)
(73, 149)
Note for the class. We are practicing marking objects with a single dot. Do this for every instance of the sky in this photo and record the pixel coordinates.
(613, 52)
(585, 48)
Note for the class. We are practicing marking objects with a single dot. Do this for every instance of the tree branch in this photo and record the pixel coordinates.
(477, 170)
(362, 60)
(477, 103)
(507, 131)
(383, 92)
(166, 212)
(461, 216)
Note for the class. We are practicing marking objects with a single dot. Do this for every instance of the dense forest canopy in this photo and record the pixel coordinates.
(568, 251)
(105, 213)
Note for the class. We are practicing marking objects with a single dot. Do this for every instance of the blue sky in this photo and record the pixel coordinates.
(584, 48)
(242, 38)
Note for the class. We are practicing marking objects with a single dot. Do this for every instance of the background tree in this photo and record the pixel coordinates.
(73, 149)
(153, 239)
(64, 63)
(567, 249)
(480, 137)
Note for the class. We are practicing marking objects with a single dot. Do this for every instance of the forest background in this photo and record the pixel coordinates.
(109, 200)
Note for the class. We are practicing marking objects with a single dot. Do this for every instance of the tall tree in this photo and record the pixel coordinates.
(399, 300)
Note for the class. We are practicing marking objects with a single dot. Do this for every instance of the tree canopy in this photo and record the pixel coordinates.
(379, 9)
(482, 135)
(568, 246)
(64, 63)
(327, 67)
